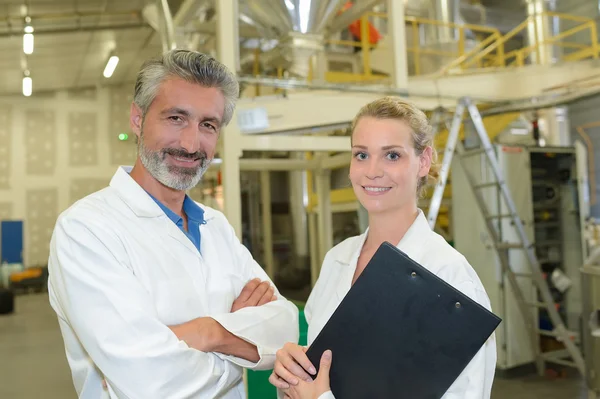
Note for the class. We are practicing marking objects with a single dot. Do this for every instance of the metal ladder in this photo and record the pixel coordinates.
(455, 146)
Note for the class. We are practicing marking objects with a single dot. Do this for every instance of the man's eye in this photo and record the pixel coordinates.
(175, 118)
(208, 125)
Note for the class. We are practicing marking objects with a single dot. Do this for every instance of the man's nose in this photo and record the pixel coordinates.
(190, 139)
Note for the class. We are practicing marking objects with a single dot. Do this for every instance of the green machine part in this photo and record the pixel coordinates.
(259, 386)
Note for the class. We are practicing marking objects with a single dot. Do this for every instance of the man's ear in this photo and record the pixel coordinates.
(135, 119)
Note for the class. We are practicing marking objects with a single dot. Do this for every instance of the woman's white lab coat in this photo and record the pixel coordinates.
(121, 272)
(431, 251)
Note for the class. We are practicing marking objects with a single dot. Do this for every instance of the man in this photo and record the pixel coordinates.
(155, 295)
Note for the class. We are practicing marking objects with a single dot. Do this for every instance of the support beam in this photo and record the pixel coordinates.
(396, 29)
(313, 239)
(298, 200)
(265, 198)
(325, 222)
(293, 143)
(336, 161)
(277, 164)
(227, 53)
(227, 33)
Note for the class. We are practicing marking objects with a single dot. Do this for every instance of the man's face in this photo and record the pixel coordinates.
(178, 135)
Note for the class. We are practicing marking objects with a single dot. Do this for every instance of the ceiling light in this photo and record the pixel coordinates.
(28, 37)
(290, 6)
(110, 66)
(28, 43)
(27, 84)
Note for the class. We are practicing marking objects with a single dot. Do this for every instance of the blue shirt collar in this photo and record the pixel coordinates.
(191, 209)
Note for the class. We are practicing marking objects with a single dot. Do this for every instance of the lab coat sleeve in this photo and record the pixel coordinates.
(327, 395)
(269, 326)
(114, 319)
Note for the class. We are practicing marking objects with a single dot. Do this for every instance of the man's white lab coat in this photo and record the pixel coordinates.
(121, 272)
(431, 251)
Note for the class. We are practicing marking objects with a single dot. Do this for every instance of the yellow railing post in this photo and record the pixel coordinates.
(594, 38)
(500, 60)
(416, 47)
(538, 53)
(461, 42)
(256, 70)
(365, 40)
(519, 58)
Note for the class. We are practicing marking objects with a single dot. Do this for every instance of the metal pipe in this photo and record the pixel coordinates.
(352, 14)
(538, 103)
(167, 31)
(265, 197)
(75, 15)
(92, 28)
(502, 107)
(377, 89)
(328, 15)
(188, 11)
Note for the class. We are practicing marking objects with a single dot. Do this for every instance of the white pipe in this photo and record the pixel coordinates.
(265, 197)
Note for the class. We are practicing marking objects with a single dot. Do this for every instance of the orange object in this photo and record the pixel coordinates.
(354, 27)
(32, 272)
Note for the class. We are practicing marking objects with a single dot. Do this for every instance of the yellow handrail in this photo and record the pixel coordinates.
(488, 52)
(476, 55)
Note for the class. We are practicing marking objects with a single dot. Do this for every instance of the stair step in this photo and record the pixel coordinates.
(485, 185)
(475, 151)
(500, 216)
(509, 245)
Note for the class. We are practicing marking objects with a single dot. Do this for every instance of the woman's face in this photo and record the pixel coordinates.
(385, 170)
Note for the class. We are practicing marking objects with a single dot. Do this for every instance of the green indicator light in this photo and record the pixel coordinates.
(123, 136)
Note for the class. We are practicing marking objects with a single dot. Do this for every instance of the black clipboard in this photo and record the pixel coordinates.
(401, 332)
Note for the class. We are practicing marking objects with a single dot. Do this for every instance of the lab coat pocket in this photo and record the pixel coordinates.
(177, 301)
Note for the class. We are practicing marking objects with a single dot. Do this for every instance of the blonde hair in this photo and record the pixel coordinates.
(422, 132)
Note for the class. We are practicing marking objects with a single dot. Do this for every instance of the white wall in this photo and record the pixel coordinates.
(54, 150)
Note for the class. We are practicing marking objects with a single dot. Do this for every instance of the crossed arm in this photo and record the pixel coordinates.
(207, 335)
(115, 322)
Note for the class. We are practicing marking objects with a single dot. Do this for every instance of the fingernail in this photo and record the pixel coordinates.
(312, 370)
(327, 354)
(308, 379)
(285, 386)
(295, 382)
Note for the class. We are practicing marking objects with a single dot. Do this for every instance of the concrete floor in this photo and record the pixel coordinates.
(33, 363)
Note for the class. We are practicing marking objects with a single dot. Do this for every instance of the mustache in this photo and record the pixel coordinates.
(180, 153)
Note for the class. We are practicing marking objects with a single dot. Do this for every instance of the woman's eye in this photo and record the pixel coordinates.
(361, 156)
(393, 156)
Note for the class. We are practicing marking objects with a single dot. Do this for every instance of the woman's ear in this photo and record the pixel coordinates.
(425, 161)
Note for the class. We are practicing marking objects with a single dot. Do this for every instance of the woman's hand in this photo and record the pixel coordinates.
(291, 366)
(316, 388)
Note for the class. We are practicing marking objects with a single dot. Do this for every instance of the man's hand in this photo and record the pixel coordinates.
(316, 388)
(254, 293)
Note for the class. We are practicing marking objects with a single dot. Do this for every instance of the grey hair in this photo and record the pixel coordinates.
(191, 66)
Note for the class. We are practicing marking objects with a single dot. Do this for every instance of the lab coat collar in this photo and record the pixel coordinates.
(411, 243)
(137, 199)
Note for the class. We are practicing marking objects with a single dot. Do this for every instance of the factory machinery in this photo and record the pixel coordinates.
(527, 243)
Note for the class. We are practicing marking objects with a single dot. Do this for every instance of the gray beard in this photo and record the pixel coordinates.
(177, 178)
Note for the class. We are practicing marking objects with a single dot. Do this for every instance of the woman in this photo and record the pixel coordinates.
(393, 160)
